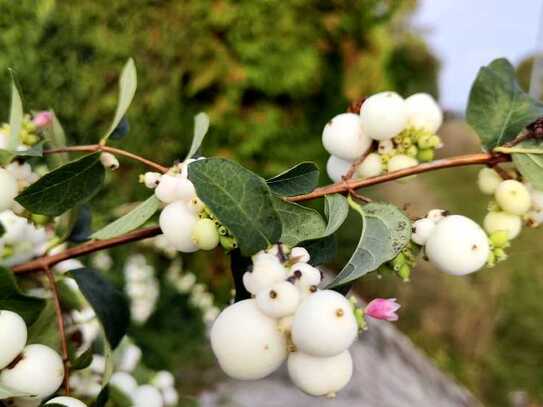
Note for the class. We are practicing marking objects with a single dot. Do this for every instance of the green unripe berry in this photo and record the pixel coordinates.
(398, 262)
(435, 141)
(499, 239)
(405, 273)
(39, 219)
(425, 155)
(425, 141)
(491, 261)
(500, 254)
(228, 243)
(205, 235)
(412, 151)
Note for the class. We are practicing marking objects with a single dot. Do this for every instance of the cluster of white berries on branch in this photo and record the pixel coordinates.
(390, 133)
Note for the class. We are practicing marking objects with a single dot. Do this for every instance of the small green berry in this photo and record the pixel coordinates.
(499, 239)
(425, 155)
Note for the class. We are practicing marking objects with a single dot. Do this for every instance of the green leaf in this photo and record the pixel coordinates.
(300, 179)
(128, 83)
(12, 299)
(84, 360)
(45, 330)
(35, 151)
(109, 304)
(336, 210)
(530, 165)
(385, 232)
(321, 251)
(240, 199)
(299, 223)
(6, 393)
(498, 109)
(15, 117)
(133, 219)
(65, 187)
(201, 126)
(6, 157)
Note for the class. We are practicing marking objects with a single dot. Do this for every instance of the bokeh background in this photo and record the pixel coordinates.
(270, 73)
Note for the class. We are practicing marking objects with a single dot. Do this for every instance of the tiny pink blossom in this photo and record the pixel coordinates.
(382, 308)
(42, 119)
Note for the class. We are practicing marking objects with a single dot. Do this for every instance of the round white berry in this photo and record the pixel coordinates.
(496, 221)
(300, 255)
(66, 401)
(147, 396)
(372, 166)
(336, 168)
(457, 245)
(436, 215)
(423, 112)
(320, 376)
(306, 278)
(537, 198)
(324, 324)
(8, 189)
(205, 235)
(422, 229)
(171, 397)
(152, 179)
(401, 162)
(343, 137)
(39, 372)
(163, 380)
(177, 223)
(174, 188)
(109, 161)
(266, 272)
(488, 180)
(385, 147)
(534, 218)
(13, 337)
(383, 115)
(513, 197)
(125, 382)
(280, 300)
(246, 342)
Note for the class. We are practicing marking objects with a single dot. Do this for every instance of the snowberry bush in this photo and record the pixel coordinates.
(282, 309)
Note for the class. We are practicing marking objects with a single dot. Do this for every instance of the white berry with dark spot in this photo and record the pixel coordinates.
(278, 301)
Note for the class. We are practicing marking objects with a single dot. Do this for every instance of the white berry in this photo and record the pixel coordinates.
(372, 166)
(306, 278)
(496, 221)
(383, 115)
(8, 189)
(171, 397)
(266, 272)
(67, 402)
(246, 342)
(174, 188)
(177, 223)
(152, 179)
(300, 254)
(385, 147)
(324, 324)
(278, 301)
(205, 235)
(12, 338)
(124, 382)
(513, 197)
(537, 198)
(423, 112)
(147, 396)
(488, 181)
(163, 380)
(39, 372)
(436, 215)
(457, 245)
(534, 218)
(320, 376)
(401, 162)
(336, 168)
(422, 229)
(109, 161)
(343, 137)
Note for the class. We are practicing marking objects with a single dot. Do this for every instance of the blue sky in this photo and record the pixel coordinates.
(466, 34)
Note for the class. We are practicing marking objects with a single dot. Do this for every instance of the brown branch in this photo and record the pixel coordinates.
(458, 161)
(359, 161)
(93, 148)
(86, 248)
(60, 323)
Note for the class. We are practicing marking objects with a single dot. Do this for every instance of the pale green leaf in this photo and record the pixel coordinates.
(531, 165)
(15, 117)
(299, 223)
(201, 126)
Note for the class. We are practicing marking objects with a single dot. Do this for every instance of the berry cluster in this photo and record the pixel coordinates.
(288, 317)
(34, 370)
(390, 133)
(513, 203)
(186, 222)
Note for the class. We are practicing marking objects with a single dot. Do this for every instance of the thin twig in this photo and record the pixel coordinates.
(355, 164)
(504, 174)
(93, 148)
(87, 248)
(60, 323)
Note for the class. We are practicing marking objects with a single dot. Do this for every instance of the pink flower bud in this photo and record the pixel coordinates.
(42, 119)
(382, 308)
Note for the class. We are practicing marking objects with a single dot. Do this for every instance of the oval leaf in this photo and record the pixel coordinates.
(498, 109)
(336, 209)
(67, 186)
(132, 220)
(109, 304)
(12, 299)
(15, 117)
(530, 165)
(128, 83)
(201, 126)
(300, 179)
(240, 199)
(299, 223)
